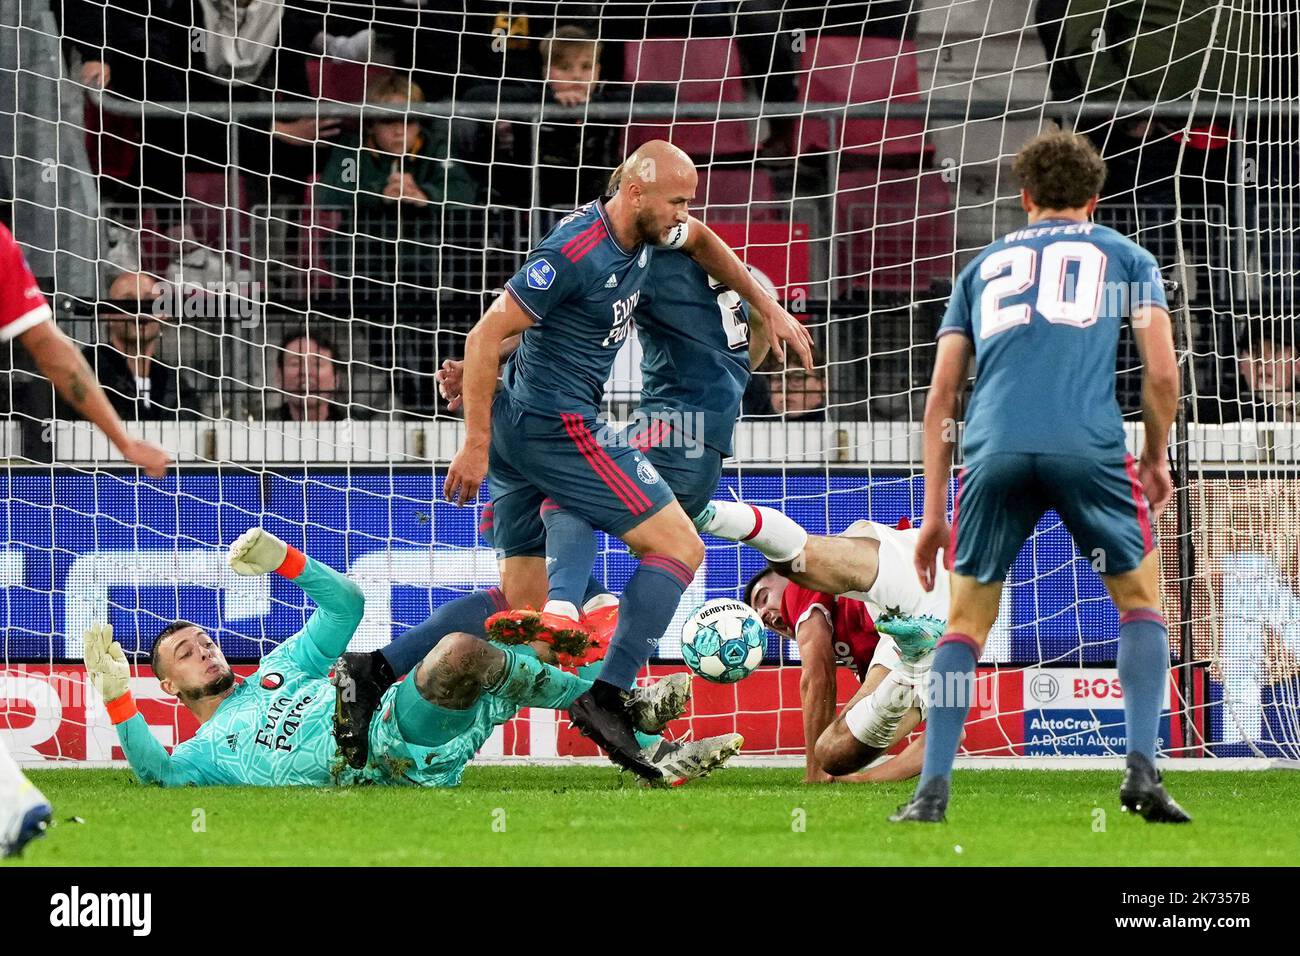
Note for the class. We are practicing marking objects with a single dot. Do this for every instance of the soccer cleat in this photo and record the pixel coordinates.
(574, 641)
(707, 513)
(28, 816)
(914, 636)
(356, 697)
(655, 707)
(1142, 793)
(928, 805)
(602, 714)
(602, 620)
(683, 761)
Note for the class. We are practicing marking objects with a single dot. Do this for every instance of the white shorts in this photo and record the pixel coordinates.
(897, 588)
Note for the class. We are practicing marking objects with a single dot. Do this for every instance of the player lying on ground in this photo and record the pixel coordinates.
(1038, 309)
(539, 436)
(276, 727)
(846, 588)
(25, 316)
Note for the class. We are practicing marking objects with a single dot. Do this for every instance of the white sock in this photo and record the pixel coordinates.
(598, 601)
(563, 608)
(874, 718)
(774, 535)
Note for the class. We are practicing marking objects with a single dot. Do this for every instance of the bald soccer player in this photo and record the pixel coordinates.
(539, 438)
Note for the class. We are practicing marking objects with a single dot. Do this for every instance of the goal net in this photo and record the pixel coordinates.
(270, 223)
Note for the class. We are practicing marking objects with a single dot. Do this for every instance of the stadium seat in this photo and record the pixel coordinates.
(857, 71)
(895, 228)
(341, 81)
(737, 193)
(704, 71)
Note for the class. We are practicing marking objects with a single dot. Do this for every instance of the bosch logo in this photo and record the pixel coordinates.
(1099, 688)
(1043, 687)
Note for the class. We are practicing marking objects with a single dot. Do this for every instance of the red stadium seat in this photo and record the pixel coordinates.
(704, 71)
(736, 194)
(858, 71)
(342, 81)
(895, 229)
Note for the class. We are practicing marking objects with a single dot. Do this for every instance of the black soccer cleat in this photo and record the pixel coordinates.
(928, 805)
(601, 714)
(357, 689)
(1142, 793)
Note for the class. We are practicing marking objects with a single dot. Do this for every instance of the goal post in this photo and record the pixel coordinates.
(319, 201)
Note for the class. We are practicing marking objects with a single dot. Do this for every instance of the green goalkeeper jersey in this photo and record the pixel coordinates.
(276, 728)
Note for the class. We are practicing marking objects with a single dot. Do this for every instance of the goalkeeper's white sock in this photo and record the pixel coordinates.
(875, 717)
(773, 534)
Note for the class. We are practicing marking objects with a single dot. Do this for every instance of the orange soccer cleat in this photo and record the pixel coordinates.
(574, 642)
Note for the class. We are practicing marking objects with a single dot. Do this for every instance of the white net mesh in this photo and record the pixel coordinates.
(314, 262)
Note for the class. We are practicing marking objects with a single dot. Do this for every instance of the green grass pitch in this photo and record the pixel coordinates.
(588, 815)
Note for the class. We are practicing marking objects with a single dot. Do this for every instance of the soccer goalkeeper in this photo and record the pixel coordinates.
(276, 728)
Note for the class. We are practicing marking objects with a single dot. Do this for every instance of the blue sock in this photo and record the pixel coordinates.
(1143, 674)
(951, 691)
(463, 614)
(570, 554)
(649, 602)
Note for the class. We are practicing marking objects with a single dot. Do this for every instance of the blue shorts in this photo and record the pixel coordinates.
(1001, 496)
(692, 471)
(581, 464)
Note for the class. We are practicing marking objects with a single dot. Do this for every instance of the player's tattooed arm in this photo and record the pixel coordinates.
(59, 360)
(504, 319)
(780, 328)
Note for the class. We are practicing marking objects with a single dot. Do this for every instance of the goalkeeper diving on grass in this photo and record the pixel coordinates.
(276, 728)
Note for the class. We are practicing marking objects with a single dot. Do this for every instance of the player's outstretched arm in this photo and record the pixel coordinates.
(951, 361)
(59, 360)
(110, 674)
(1155, 342)
(339, 602)
(778, 326)
(505, 318)
(816, 688)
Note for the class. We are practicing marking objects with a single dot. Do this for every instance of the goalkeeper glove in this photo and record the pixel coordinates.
(257, 551)
(109, 672)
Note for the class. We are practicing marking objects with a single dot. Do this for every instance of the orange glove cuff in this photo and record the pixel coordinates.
(293, 563)
(122, 709)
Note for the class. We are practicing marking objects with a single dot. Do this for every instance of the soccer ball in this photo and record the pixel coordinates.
(723, 640)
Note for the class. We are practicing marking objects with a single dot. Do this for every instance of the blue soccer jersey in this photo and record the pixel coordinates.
(694, 335)
(580, 287)
(1043, 307)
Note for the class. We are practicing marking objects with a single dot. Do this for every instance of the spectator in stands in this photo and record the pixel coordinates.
(140, 386)
(400, 160)
(310, 379)
(1099, 50)
(799, 395)
(144, 50)
(575, 157)
(1267, 383)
